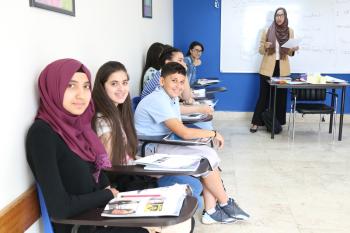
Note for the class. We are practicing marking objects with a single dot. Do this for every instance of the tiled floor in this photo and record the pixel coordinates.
(287, 187)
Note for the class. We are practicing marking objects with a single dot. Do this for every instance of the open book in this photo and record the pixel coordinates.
(196, 141)
(164, 201)
(204, 81)
(165, 162)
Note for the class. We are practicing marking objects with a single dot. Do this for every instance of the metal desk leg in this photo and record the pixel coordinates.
(271, 88)
(273, 113)
(143, 149)
(331, 116)
(341, 113)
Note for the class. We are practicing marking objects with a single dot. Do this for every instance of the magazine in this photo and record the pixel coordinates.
(164, 201)
(165, 162)
(196, 141)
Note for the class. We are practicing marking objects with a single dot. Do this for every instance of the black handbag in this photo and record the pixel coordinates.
(267, 118)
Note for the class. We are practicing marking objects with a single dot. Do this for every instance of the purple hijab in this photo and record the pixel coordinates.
(279, 33)
(75, 130)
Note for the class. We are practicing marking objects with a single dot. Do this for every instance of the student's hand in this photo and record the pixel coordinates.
(206, 109)
(219, 140)
(295, 49)
(197, 62)
(113, 190)
(268, 44)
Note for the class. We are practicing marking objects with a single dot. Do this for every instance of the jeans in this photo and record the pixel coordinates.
(193, 182)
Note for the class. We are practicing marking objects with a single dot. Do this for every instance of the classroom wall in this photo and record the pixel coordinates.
(200, 20)
(32, 37)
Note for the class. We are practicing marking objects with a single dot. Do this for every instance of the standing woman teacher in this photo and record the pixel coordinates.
(275, 63)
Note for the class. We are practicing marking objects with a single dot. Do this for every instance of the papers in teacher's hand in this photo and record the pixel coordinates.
(164, 201)
(291, 43)
(166, 162)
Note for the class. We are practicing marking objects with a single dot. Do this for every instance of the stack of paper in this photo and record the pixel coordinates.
(330, 79)
(204, 81)
(193, 116)
(165, 162)
(199, 93)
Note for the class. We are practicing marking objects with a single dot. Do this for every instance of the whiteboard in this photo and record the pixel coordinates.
(323, 26)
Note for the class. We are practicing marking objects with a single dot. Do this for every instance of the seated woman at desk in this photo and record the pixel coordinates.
(114, 124)
(64, 153)
(159, 114)
(193, 60)
(275, 63)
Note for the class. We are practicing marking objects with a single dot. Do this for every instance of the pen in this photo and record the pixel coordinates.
(141, 195)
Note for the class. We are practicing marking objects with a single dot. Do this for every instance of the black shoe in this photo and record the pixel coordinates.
(253, 129)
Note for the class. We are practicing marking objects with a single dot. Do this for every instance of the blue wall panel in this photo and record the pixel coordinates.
(200, 20)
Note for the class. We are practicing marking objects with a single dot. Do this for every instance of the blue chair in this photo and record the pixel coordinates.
(45, 215)
(135, 101)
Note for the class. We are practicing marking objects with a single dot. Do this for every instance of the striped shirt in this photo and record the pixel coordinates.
(151, 85)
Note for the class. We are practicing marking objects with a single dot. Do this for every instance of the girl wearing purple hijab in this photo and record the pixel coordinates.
(63, 152)
(275, 63)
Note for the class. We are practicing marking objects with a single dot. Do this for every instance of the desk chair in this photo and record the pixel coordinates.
(93, 217)
(135, 101)
(301, 102)
(45, 215)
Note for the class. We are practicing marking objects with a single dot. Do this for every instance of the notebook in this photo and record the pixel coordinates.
(196, 141)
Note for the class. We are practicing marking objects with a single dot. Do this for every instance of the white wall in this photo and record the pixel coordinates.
(31, 38)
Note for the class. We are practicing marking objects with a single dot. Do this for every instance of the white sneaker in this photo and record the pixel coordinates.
(219, 216)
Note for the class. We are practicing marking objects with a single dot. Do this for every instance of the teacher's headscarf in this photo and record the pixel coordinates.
(75, 130)
(279, 33)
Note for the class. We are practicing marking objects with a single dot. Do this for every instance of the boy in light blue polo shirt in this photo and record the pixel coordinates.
(153, 110)
(159, 114)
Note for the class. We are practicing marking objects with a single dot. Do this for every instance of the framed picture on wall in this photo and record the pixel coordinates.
(147, 8)
(60, 6)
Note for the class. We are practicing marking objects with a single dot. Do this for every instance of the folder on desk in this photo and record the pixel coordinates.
(330, 79)
(196, 141)
(167, 162)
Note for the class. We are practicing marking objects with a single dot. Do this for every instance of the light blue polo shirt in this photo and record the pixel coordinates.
(153, 110)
